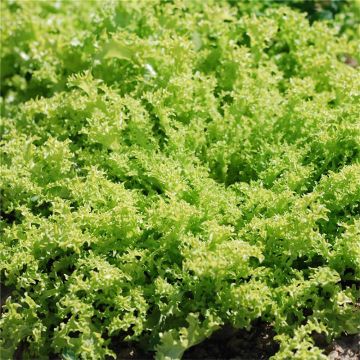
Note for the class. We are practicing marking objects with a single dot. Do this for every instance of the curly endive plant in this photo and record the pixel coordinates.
(169, 167)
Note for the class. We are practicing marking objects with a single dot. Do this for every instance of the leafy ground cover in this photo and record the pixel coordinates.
(171, 168)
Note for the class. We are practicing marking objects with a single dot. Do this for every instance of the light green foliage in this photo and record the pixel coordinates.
(169, 167)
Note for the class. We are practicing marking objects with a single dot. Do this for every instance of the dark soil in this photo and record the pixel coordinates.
(130, 351)
(345, 348)
(229, 343)
(256, 344)
(5, 292)
(226, 343)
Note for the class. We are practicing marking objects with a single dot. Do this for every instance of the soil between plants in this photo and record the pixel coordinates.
(229, 343)
(256, 344)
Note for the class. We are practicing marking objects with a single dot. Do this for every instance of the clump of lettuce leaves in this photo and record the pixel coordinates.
(169, 167)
